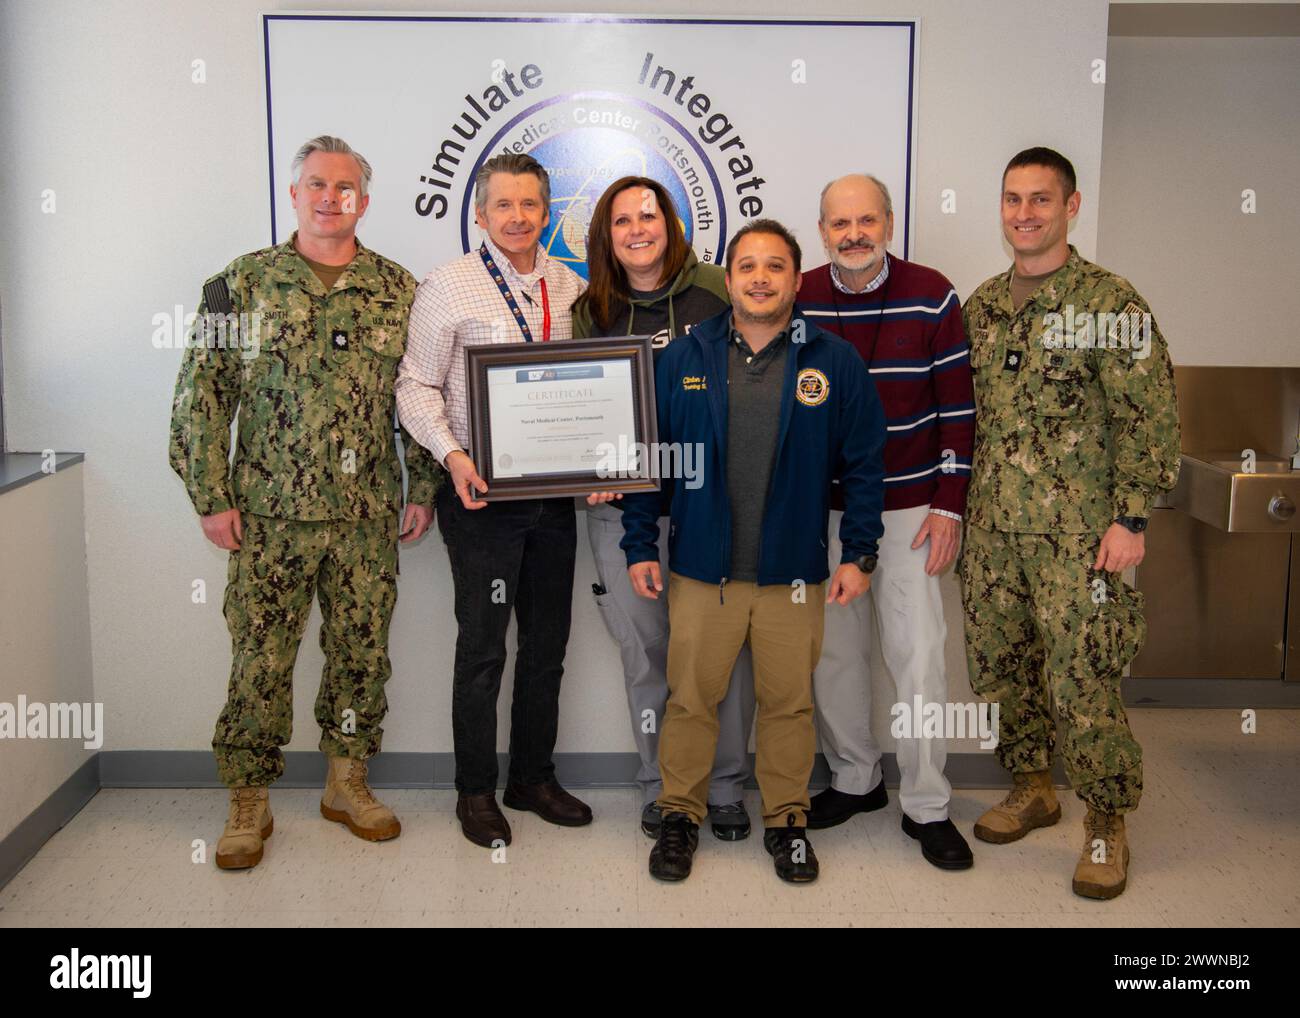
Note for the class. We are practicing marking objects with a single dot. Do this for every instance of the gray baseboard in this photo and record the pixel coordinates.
(306, 769)
(1230, 694)
(45, 821)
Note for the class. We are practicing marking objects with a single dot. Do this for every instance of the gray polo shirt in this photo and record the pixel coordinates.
(754, 384)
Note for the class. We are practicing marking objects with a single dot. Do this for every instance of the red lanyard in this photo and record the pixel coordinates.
(546, 314)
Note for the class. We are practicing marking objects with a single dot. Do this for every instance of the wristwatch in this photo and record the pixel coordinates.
(1133, 524)
(867, 563)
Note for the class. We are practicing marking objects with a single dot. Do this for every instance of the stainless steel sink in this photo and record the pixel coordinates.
(1215, 488)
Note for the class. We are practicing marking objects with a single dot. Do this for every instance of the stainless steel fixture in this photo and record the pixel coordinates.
(1222, 567)
(1243, 494)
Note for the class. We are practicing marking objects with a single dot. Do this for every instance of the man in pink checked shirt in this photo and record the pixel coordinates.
(504, 555)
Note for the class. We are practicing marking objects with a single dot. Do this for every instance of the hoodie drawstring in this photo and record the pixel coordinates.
(672, 318)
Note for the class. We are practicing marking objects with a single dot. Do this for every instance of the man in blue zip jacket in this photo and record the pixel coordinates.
(773, 409)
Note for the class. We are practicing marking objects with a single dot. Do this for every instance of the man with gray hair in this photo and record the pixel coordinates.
(310, 505)
(504, 555)
(905, 321)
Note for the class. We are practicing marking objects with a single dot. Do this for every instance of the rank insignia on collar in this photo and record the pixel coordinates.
(1012, 360)
(340, 339)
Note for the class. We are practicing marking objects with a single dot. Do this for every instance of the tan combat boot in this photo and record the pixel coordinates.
(1102, 871)
(248, 825)
(348, 800)
(1030, 803)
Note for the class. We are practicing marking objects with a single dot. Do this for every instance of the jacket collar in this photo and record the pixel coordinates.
(1002, 295)
(717, 330)
(288, 266)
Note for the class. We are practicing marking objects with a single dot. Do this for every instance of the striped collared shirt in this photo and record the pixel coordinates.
(874, 285)
(460, 305)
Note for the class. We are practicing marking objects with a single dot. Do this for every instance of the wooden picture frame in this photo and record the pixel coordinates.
(579, 364)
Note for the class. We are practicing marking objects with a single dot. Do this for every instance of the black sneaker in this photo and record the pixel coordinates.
(671, 857)
(729, 821)
(791, 852)
(651, 819)
(831, 808)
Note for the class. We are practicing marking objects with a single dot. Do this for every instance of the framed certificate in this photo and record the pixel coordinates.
(562, 419)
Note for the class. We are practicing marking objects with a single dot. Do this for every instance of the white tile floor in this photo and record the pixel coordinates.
(1216, 842)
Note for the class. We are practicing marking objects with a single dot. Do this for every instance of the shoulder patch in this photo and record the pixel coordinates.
(216, 295)
(811, 388)
(1132, 308)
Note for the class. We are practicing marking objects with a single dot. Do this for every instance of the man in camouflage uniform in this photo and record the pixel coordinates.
(1076, 433)
(312, 332)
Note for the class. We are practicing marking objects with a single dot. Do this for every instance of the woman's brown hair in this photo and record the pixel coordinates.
(607, 285)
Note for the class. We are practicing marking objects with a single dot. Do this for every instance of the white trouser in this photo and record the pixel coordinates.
(908, 609)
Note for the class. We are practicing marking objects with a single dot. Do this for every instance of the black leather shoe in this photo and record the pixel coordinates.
(550, 802)
(941, 843)
(729, 821)
(652, 819)
(831, 808)
(791, 852)
(671, 857)
(481, 820)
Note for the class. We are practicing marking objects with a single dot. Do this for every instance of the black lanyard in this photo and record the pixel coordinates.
(880, 312)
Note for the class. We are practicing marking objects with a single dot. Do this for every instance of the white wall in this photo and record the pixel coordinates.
(1190, 124)
(159, 182)
(44, 632)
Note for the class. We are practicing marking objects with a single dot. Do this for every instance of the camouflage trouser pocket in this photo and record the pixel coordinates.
(1126, 628)
(231, 606)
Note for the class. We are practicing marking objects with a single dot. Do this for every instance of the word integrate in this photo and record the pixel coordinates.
(632, 459)
(714, 128)
(920, 720)
(25, 720)
(102, 972)
(213, 330)
(1129, 329)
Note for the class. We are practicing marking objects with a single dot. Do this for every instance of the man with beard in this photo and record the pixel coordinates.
(775, 408)
(905, 321)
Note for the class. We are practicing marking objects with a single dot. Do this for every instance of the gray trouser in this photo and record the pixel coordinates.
(640, 626)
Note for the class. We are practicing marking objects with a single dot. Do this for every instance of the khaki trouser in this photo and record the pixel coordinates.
(784, 627)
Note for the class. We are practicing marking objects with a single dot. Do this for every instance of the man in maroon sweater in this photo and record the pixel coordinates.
(905, 321)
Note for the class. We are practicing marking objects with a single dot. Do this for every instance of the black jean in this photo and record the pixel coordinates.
(508, 555)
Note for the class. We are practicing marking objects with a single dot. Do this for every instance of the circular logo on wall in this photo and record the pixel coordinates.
(586, 141)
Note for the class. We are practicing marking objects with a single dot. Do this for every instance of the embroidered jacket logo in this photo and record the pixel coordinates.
(811, 387)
